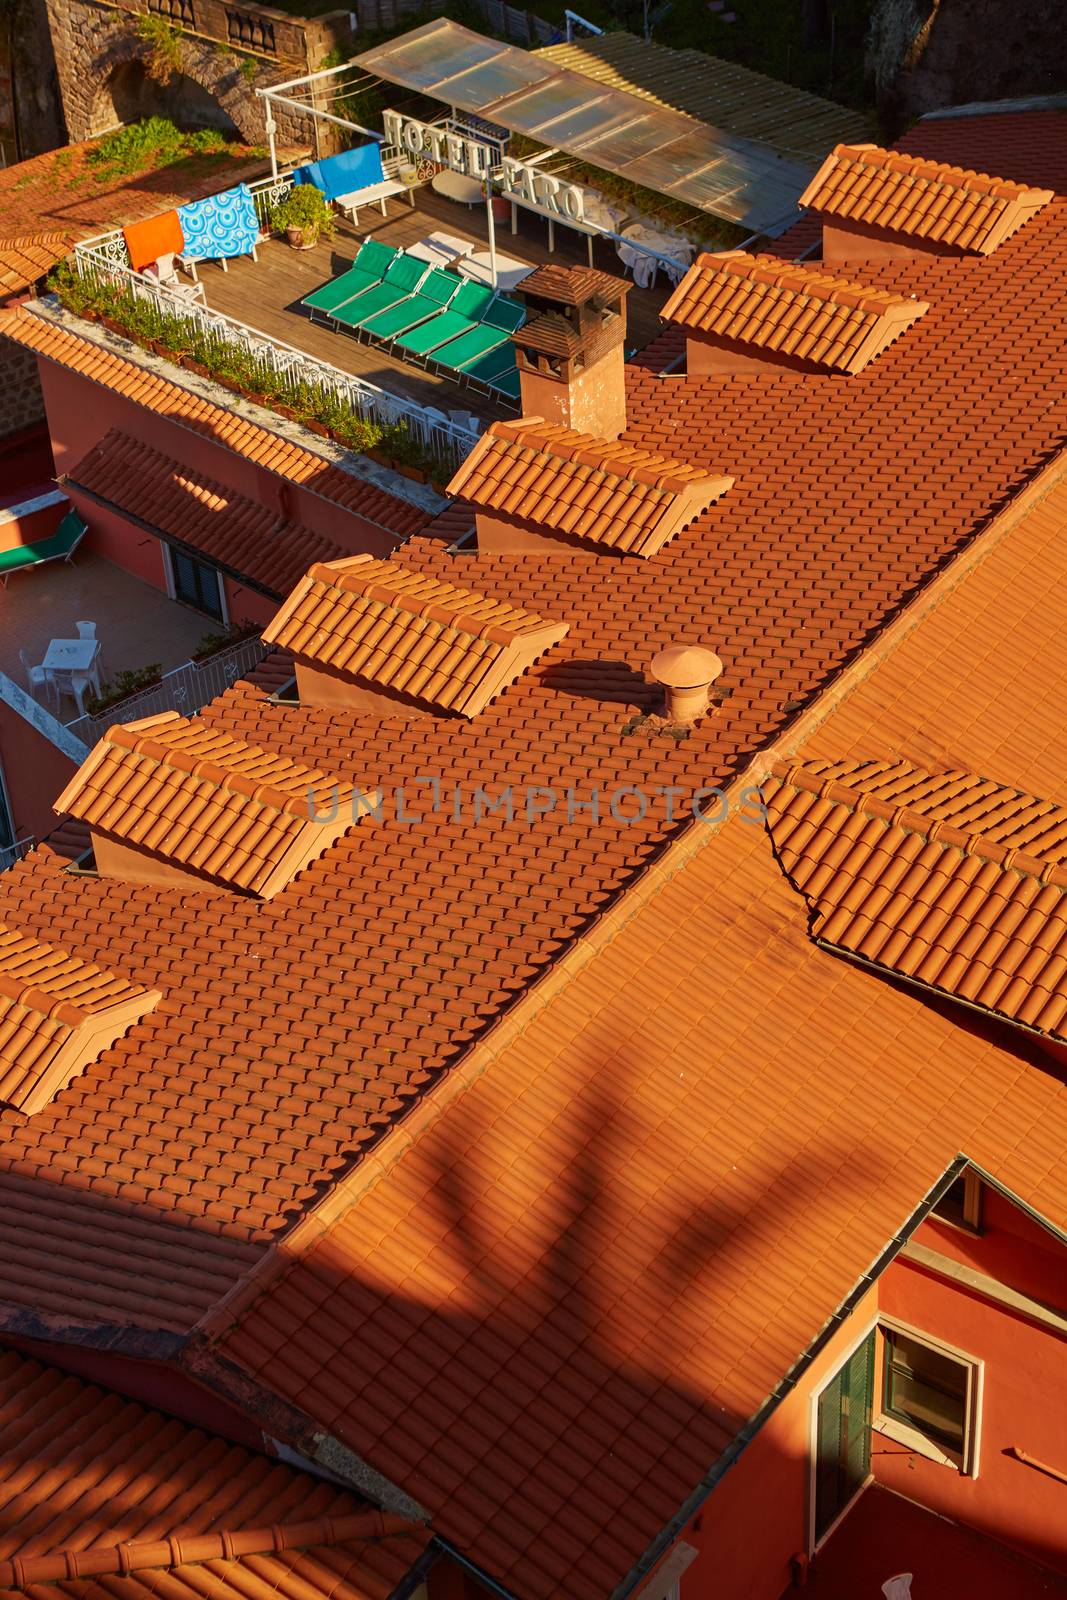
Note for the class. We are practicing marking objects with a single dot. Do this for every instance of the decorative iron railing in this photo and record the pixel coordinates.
(186, 689)
(11, 853)
(106, 257)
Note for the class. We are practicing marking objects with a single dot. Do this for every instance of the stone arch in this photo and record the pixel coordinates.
(208, 91)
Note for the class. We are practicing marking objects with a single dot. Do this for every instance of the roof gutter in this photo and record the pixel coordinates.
(739, 1444)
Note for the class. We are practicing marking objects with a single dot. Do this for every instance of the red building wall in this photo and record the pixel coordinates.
(1024, 1388)
(81, 412)
(34, 773)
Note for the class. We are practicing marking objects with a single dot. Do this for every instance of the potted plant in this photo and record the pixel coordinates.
(304, 216)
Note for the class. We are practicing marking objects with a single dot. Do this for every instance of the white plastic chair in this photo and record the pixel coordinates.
(36, 677)
(898, 1588)
(76, 684)
(86, 630)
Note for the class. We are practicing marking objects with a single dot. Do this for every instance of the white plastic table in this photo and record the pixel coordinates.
(509, 271)
(441, 249)
(456, 186)
(71, 655)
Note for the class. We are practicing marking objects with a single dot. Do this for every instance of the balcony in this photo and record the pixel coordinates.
(137, 625)
(883, 1535)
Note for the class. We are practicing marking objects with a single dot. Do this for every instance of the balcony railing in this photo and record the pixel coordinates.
(186, 689)
(106, 257)
(11, 853)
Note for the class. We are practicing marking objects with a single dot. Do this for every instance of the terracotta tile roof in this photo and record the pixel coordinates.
(237, 433)
(612, 495)
(302, 1037)
(200, 799)
(603, 1192)
(397, 629)
(550, 333)
(954, 894)
(240, 535)
(63, 189)
(57, 1014)
(98, 1494)
(26, 257)
(791, 308)
(572, 286)
(925, 199)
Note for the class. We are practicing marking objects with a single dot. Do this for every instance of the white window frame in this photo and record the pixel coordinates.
(912, 1438)
(172, 587)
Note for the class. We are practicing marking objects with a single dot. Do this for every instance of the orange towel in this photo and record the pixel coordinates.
(147, 241)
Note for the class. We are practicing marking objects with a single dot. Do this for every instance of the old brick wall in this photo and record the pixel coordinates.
(21, 400)
(228, 49)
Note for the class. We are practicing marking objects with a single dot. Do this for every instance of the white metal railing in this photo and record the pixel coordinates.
(11, 853)
(446, 440)
(186, 689)
(575, 21)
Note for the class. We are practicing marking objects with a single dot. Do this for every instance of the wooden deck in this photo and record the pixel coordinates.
(266, 294)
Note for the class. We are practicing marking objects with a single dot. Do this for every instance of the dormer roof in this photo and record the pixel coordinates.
(198, 800)
(925, 200)
(790, 308)
(946, 879)
(601, 492)
(58, 1013)
(399, 630)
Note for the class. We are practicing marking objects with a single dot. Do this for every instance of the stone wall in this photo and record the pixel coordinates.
(228, 49)
(21, 400)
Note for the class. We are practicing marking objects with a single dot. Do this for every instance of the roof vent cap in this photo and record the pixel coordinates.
(687, 672)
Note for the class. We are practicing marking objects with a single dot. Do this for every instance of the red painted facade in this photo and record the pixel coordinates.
(753, 1533)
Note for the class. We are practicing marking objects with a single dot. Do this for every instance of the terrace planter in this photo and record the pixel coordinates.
(198, 367)
(99, 708)
(302, 238)
(317, 427)
(416, 474)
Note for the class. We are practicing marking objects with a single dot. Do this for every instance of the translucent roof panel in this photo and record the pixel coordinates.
(642, 140)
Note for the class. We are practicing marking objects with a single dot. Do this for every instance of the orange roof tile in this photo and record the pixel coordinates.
(281, 456)
(58, 1013)
(413, 634)
(98, 1493)
(925, 199)
(200, 799)
(609, 494)
(242, 536)
(945, 884)
(791, 308)
(27, 257)
(565, 1197)
(306, 1036)
(572, 286)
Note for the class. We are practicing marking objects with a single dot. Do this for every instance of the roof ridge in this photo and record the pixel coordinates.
(23, 1572)
(935, 830)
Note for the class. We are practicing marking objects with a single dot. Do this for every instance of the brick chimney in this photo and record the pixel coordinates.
(570, 352)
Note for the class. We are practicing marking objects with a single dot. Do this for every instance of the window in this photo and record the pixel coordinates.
(962, 1203)
(197, 584)
(929, 1392)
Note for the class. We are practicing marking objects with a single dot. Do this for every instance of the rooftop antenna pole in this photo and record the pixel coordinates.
(490, 226)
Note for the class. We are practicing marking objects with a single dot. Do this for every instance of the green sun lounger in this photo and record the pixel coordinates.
(493, 366)
(463, 313)
(59, 546)
(506, 314)
(508, 385)
(401, 280)
(369, 268)
(434, 293)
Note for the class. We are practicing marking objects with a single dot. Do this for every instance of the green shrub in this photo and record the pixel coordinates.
(304, 207)
(125, 684)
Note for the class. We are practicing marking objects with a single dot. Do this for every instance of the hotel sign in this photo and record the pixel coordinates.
(518, 180)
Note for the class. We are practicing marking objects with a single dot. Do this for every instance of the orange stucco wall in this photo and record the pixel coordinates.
(1024, 1384)
(756, 1518)
(34, 773)
(81, 412)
